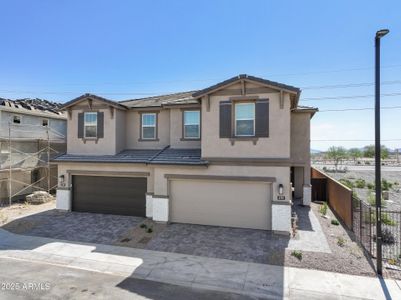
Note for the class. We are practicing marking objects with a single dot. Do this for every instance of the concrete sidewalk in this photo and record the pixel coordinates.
(260, 280)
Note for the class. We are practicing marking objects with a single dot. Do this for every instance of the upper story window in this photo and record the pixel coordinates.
(45, 122)
(90, 125)
(192, 124)
(245, 119)
(16, 119)
(148, 129)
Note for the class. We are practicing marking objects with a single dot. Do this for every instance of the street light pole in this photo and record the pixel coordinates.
(379, 35)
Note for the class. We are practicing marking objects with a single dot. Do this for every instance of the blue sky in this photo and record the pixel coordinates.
(58, 50)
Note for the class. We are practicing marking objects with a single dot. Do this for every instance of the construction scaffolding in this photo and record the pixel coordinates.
(25, 159)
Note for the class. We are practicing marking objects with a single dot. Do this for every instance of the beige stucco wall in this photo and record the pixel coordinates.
(103, 146)
(277, 145)
(176, 127)
(158, 184)
(300, 142)
(120, 130)
(133, 121)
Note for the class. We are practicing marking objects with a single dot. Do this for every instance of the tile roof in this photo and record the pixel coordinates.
(149, 156)
(162, 100)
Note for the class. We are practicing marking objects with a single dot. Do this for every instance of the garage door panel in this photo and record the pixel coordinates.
(221, 203)
(112, 195)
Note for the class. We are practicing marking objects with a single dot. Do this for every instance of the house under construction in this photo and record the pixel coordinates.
(32, 132)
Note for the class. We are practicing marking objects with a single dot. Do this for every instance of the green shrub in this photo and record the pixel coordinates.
(348, 183)
(386, 185)
(143, 226)
(323, 208)
(372, 200)
(150, 230)
(341, 241)
(387, 220)
(335, 222)
(360, 183)
(370, 186)
(297, 254)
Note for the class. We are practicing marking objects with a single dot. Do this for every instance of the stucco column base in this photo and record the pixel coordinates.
(160, 208)
(149, 205)
(63, 199)
(307, 199)
(281, 217)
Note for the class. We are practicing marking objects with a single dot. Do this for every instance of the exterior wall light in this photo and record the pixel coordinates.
(62, 180)
(280, 189)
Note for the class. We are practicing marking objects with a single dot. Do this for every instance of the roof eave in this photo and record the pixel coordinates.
(93, 97)
(268, 83)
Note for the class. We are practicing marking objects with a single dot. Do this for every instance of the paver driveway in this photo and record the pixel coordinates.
(75, 226)
(250, 245)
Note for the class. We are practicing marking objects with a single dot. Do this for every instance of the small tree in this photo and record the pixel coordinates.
(337, 154)
(369, 151)
(354, 153)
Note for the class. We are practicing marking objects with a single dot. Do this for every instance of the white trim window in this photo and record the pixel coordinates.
(149, 126)
(90, 124)
(192, 124)
(245, 119)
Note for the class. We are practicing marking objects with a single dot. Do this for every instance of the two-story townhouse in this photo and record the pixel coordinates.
(227, 155)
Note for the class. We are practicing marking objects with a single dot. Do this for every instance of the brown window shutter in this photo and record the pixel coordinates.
(100, 125)
(262, 118)
(225, 119)
(81, 125)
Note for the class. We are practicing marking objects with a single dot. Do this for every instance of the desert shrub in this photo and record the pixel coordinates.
(387, 236)
(341, 241)
(348, 183)
(387, 220)
(370, 186)
(323, 208)
(335, 222)
(386, 185)
(367, 162)
(297, 254)
(143, 226)
(150, 230)
(360, 183)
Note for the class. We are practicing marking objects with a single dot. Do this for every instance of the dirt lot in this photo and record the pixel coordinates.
(18, 210)
(368, 175)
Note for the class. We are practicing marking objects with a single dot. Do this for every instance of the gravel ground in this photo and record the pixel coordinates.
(348, 259)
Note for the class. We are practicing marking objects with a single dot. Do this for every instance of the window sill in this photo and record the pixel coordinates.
(148, 140)
(189, 140)
(94, 139)
(244, 139)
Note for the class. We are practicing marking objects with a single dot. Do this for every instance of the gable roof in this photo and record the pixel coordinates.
(162, 100)
(280, 86)
(94, 97)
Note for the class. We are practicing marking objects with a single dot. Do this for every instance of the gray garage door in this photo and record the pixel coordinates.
(109, 195)
(221, 203)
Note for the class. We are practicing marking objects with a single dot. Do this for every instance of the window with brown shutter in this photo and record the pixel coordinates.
(262, 118)
(225, 119)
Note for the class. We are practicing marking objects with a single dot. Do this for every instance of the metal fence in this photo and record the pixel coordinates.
(364, 227)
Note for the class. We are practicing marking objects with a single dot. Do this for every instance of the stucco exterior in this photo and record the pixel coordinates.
(277, 145)
(101, 146)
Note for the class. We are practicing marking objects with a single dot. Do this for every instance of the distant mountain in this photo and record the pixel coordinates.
(314, 151)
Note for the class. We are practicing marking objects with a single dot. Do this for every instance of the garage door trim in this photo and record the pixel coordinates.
(221, 177)
(108, 173)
